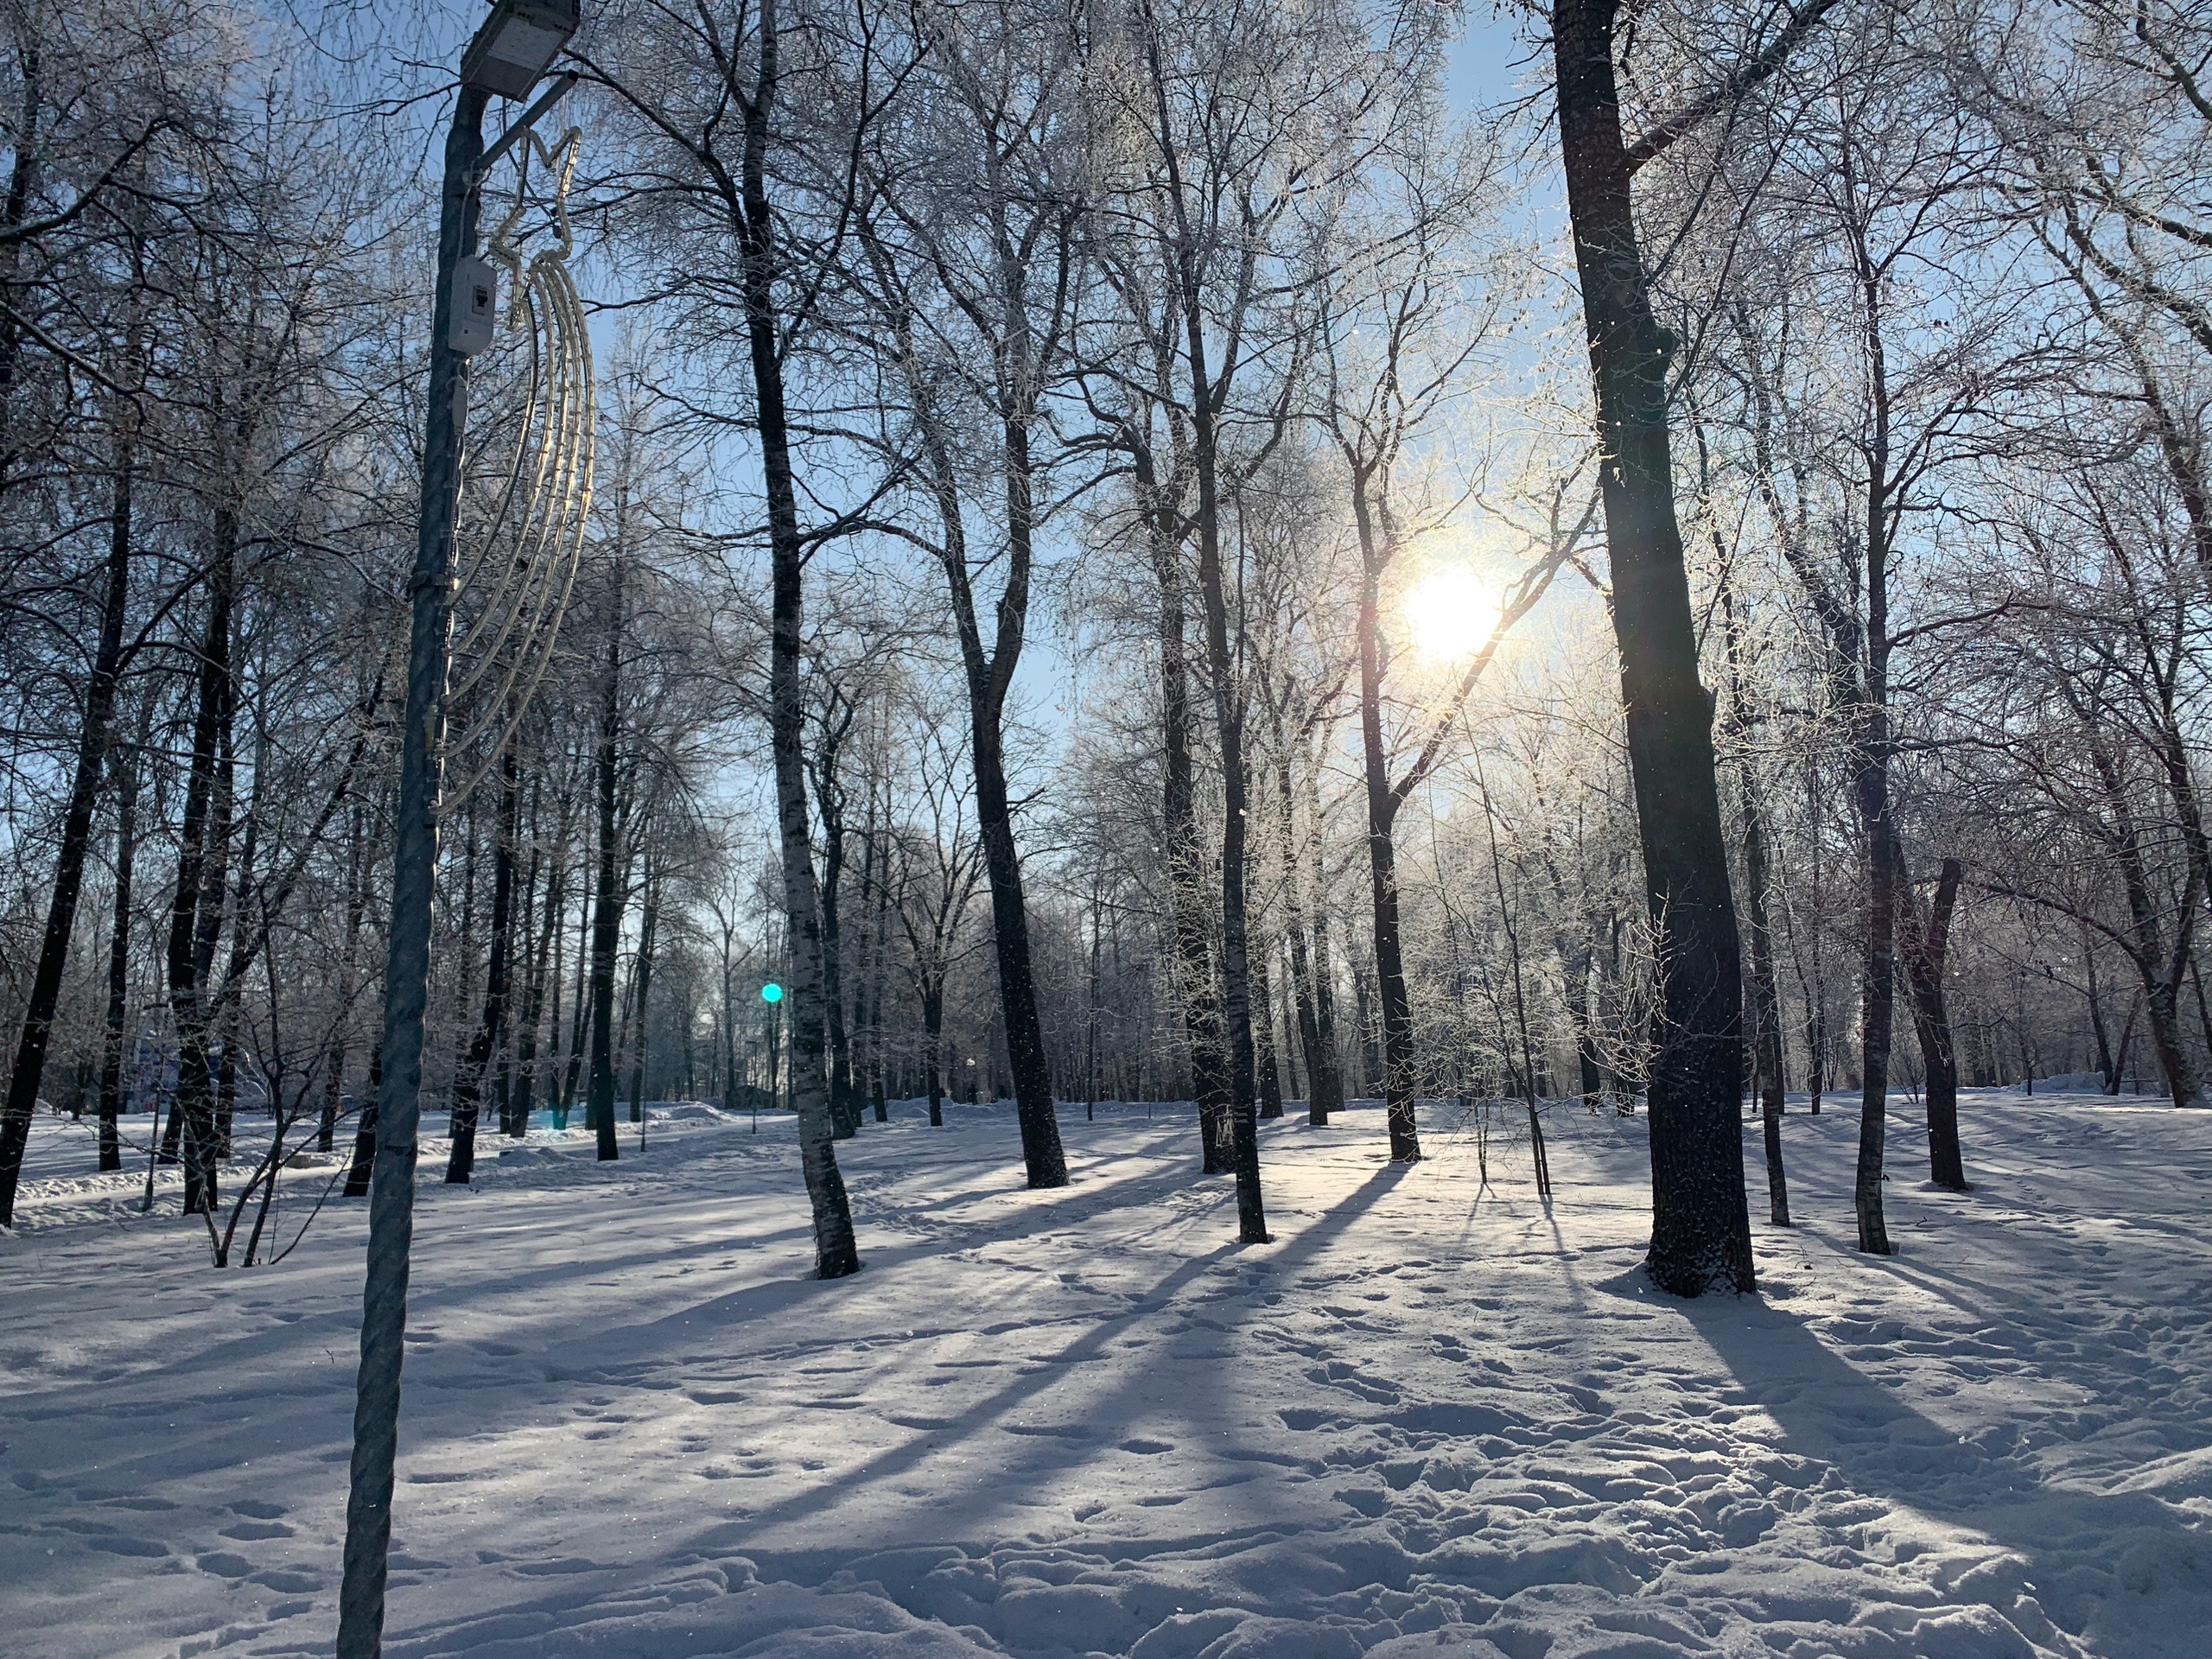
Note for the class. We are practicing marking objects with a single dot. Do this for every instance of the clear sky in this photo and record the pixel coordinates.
(1486, 65)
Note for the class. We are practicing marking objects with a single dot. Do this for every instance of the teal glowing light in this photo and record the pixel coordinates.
(772, 992)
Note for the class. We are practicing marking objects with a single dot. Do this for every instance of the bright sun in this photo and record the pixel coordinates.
(1451, 613)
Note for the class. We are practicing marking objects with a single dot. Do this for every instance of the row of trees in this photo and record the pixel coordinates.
(1099, 573)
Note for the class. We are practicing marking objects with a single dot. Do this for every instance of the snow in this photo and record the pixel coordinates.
(1426, 1419)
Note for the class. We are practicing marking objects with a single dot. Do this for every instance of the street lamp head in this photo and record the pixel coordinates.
(516, 44)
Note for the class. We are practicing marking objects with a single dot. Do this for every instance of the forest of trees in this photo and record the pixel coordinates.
(1120, 535)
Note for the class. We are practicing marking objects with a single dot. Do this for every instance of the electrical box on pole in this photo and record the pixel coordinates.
(475, 305)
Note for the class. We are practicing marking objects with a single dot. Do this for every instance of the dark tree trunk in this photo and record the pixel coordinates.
(1394, 1015)
(1399, 1072)
(1878, 1010)
(357, 897)
(1371, 1032)
(76, 840)
(933, 1049)
(195, 916)
(875, 946)
(544, 975)
(1927, 950)
(2107, 1067)
(1767, 1080)
(1700, 1228)
(1590, 1073)
(834, 1251)
(1041, 1152)
(1263, 1038)
(2160, 968)
(491, 1034)
(830, 807)
(988, 677)
(606, 921)
(1317, 1020)
(1813, 985)
(1090, 1019)
(115, 1038)
(580, 1021)
(227, 1078)
(1766, 1006)
(365, 1133)
(517, 1065)
(1193, 972)
(648, 941)
(1228, 726)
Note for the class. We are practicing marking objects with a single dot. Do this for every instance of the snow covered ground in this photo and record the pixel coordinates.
(1423, 1421)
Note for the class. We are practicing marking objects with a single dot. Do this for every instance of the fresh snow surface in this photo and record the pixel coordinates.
(1427, 1419)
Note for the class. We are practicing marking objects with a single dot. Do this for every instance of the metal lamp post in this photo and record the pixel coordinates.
(509, 54)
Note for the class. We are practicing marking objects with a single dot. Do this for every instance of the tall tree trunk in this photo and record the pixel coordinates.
(648, 941)
(2160, 967)
(116, 1037)
(1927, 952)
(491, 1034)
(226, 1078)
(1766, 1005)
(1397, 1019)
(1875, 749)
(1045, 1161)
(1766, 1001)
(76, 840)
(1228, 726)
(363, 1166)
(1263, 1037)
(1193, 967)
(606, 921)
(544, 969)
(519, 1051)
(1324, 1088)
(834, 1251)
(1877, 1007)
(580, 1020)
(1538, 1155)
(1700, 1234)
(356, 897)
(1203, 405)
(868, 995)
(1813, 986)
(988, 677)
(2107, 1067)
(933, 1048)
(195, 916)
(829, 811)
(1090, 1018)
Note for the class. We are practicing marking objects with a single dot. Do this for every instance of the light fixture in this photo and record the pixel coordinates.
(516, 45)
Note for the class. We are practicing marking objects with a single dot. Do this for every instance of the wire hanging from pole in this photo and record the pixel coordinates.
(514, 586)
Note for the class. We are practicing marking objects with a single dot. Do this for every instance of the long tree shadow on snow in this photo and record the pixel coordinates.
(2123, 1570)
(1323, 1229)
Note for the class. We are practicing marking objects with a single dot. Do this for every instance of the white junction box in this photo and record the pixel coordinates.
(475, 305)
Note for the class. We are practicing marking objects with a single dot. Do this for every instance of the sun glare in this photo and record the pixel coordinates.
(1451, 613)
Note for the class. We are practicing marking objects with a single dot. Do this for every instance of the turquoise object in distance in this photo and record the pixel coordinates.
(772, 992)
